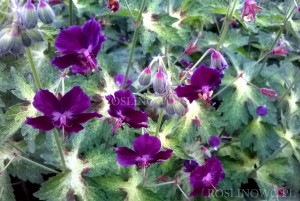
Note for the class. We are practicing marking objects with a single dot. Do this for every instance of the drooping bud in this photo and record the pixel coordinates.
(280, 50)
(160, 81)
(113, 5)
(35, 35)
(191, 48)
(170, 106)
(179, 109)
(28, 15)
(145, 76)
(262, 110)
(158, 102)
(214, 142)
(217, 60)
(206, 151)
(6, 42)
(17, 47)
(25, 39)
(45, 12)
(250, 9)
(268, 92)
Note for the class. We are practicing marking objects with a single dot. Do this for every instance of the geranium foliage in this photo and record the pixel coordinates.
(149, 100)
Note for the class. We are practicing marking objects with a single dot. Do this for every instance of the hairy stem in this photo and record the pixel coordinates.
(183, 193)
(59, 147)
(226, 25)
(224, 88)
(134, 40)
(159, 184)
(159, 121)
(33, 69)
(70, 12)
(7, 165)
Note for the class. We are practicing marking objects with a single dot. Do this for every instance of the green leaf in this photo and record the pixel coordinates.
(132, 187)
(6, 189)
(261, 136)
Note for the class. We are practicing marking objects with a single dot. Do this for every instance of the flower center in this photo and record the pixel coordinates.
(143, 161)
(87, 60)
(207, 179)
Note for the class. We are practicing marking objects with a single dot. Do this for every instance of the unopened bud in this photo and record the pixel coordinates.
(262, 110)
(268, 92)
(206, 151)
(160, 82)
(280, 50)
(17, 47)
(28, 15)
(179, 109)
(196, 122)
(145, 77)
(218, 61)
(45, 12)
(113, 5)
(6, 42)
(214, 141)
(157, 102)
(170, 106)
(35, 35)
(191, 48)
(25, 39)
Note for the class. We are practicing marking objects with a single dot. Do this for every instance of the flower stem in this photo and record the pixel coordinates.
(289, 89)
(38, 164)
(159, 121)
(134, 40)
(226, 25)
(33, 69)
(70, 12)
(159, 184)
(196, 64)
(59, 146)
(178, 186)
(270, 157)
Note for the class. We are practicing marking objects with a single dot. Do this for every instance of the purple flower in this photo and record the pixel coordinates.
(262, 110)
(218, 61)
(79, 47)
(122, 106)
(66, 113)
(146, 151)
(205, 178)
(214, 142)
(203, 81)
(190, 165)
(119, 79)
(249, 10)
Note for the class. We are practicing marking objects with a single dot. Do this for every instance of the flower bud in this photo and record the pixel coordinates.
(179, 109)
(218, 61)
(113, 5)
(45, 12)
(191, 48)
(157, 102)
(206, 151)
(28, 15)
(6, 42)
(160, 82)
(25, 39)
(169, 107)
(280, 50)
(214, 142)
(262, 110)
(35, 35)
(268, 92)
(145, 77)
(196, 122)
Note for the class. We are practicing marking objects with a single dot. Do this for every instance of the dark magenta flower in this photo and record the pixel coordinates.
(119, 80)
(79, 47)
(113, 5)
(190, 165)
(262, 110)
(203, 81)
(66, 113)
(250, 9)
(214, 142)
(281, 49)
(122, 106)
(146, 151)
(205, 177)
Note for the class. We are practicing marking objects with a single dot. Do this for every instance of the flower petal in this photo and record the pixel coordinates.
(97, 48)
(92, 30)
(71, 40)
(65, 61)
(73, 127)
(162, 155)
(146, 145)
(188, 91)
(119, 79)
(126, 156)
(135, 118)
(46, 102)
(84, 117)
(42, 123)
(205, 76)
(76, 101)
